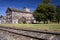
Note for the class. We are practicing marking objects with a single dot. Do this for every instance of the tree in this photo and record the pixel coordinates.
(37, 16)
(1, 16)
(58, 13)
(44, 12)
(45, 1)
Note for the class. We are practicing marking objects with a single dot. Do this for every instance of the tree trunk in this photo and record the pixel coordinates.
(58, 21)
(44, 21)
(47, 21)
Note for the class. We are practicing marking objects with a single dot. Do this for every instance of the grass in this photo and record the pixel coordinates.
(34, 26)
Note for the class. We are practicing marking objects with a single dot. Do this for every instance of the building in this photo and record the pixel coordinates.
(3, 20)
(16, 16)
(0, 20)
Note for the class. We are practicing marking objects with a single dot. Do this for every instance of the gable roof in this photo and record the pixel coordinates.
(16, 10)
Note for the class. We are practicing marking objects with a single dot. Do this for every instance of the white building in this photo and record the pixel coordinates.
(0, 21)
(17, 16)
(3, 20)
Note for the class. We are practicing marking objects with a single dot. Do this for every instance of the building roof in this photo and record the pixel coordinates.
(16, 10)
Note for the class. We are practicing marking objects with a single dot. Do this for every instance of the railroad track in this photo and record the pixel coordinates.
(39, 35)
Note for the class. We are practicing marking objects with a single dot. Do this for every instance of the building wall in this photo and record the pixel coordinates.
(13, 17)
(3, 21)
(0, 21)
(18, 15)
(9, 17)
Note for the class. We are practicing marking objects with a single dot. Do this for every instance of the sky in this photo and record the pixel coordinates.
(20, 4)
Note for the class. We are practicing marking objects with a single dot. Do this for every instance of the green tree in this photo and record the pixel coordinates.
(46, 1)
(44, 12)
(1, 16)
(58, 13)
(37, 16)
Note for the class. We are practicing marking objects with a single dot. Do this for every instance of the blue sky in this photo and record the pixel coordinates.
(19, 4)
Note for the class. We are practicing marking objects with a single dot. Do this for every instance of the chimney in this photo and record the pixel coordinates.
(26, 9)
